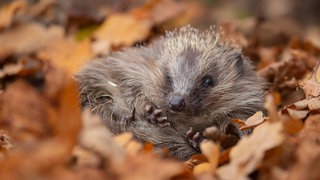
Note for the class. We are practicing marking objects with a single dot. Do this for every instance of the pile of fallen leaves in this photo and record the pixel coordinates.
(44, 134)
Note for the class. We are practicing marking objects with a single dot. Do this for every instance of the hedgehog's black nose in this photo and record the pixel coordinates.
(176, 103)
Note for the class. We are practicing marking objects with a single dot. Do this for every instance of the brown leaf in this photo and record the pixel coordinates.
(97, 138)
(10, 69)
(305, 45)
(8, 11)
(24, 123)
(297, 114)
(251, 122)
(300, 105)
(313, 37)
(129, 31)
(307, 152)
(268, 55)
(126, 141)
(25, 67)
(171, 8)
(203, 168)
(67, 53)
(121, 153)
(292, 67)
(307, 165)
(40, 7)
(47, 130)
(5, 143)
(5, 52)
(86, 158)
(311, 129)
(291, 125)
(195, 160)
(244, 159)
(212, 152)
(65, 117)
(314, 104)
(21, 38)
(311, 83)
(147, 166)
(272, 100)
(301, 109)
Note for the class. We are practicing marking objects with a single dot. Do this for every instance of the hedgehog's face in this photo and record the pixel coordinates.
(200, 82)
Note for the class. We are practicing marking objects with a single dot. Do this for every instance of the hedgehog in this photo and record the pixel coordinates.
(169, 92)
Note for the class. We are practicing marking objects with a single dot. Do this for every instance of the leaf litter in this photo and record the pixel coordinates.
(45, 135)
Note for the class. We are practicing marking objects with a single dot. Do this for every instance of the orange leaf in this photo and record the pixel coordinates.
(67, 53)
(311, 83)
(212, 152)
(7, 12)
(122, 29)
(28, 38)
(251, 122)
(244, 159)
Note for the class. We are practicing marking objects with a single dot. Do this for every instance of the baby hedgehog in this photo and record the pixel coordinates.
(186, 79)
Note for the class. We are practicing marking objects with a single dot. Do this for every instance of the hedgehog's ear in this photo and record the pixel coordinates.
(238, 63)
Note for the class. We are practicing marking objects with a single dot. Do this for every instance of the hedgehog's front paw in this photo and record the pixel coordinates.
(195, 138)
(155, 115)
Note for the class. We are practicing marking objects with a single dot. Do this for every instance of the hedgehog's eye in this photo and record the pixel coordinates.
(207, 81)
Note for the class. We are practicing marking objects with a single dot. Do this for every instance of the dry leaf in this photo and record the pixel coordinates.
(251, 122)
(146, 166)
(129, 31)
(40, 7)
(67, 54)
(133, 148)
(96, 137)
(314, 104)
(212, 152)
(311, 83)
(292, 67)
(244, 159)
(307, 165)
(86, 158)
(268, 56)
(296, 114)
(301, 109)
(123, 139)
(171, 8)
(101, 47)
(28, 38)
(24, 123)
(5, 143)
(307, 151)
(65, 116)
(291, 125)
(300, 104)
(311, 129)
(195, 160)
(5, 52)
(10, 69)
(203, 168)
(42, 129)
(272, 99)
(8, 11)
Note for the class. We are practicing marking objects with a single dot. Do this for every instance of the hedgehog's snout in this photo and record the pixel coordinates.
(176, 103)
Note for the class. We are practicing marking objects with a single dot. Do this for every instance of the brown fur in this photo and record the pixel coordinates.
(122, 84)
